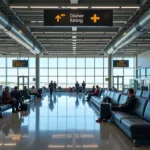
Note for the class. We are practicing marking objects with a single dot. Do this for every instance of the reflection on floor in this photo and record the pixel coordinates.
(64, 121)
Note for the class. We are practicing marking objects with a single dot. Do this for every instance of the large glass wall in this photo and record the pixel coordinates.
(66, 71)
(127, 72)
(9, 74)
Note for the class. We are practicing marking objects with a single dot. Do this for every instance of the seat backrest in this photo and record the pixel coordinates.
(125, 91)
(25, 94)
(108, 93)
(145, 94)
(147, 112)
(112, 95)
(138, 93)
(139, 107)
(116, 98)
(123, 99)
(105, 93)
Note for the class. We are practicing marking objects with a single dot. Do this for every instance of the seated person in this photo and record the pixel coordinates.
(15, 94)
(93, 93)
(93, 90)
(25, 88)
(126, 107)
(33, 91)
(7, 99)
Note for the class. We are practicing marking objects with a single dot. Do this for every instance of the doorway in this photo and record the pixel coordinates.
(23, 81)
(118, 82)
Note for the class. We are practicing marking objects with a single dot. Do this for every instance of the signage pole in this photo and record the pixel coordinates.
(109, 71)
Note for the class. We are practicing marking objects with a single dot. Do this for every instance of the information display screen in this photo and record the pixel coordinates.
(20, 63)
(120, 63)
(78, 17)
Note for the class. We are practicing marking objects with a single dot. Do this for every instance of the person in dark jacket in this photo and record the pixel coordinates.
(55, 85)
(93, 90)
(96, 93)
(77, 87)
(7, 99)
(51, 86)
(83, 86)
(128, 105)
(17, 96)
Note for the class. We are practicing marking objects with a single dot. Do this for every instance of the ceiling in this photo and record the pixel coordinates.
(59, 41)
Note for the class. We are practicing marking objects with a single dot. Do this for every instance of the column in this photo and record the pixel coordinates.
(109, 71)
(37, 71)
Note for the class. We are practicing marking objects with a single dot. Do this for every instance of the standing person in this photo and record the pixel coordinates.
(6, 98)
(55, 85)
(96, 93)
(51, 86)
(83, 86)
(77, 87)
(16, 94)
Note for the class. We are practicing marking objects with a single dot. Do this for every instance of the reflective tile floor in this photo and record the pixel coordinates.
(64, 121)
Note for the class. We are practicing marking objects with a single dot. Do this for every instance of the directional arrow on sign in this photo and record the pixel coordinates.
(58, 18)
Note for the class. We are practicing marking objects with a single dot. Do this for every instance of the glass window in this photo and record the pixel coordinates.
(44, 62)
(89, 72)
(105, 72)
(31, 82)
(90, 80)
(3, 81)
(43, 72)
(71, 72)
(98, 72)
(23, 72)
(80, 79)
(143, 72)
(128, 72)
(32, 62)
(71, 62)
(80, 62)
(98, 62)
(106, 62)
(12, 81)
(131, 61)
(31, 72)
(71, 82)
(12, 72)
(61, 62)
(2, 62)
(80, 72)
(2, 72)
(44, 81)
(90, 62)
(52, 62)
(61, 72)
(148, 71)
(53, 79)
(117, 71)
(62, 81)
(127, 81)
(52, 72)
(98, 79)
(10, 61)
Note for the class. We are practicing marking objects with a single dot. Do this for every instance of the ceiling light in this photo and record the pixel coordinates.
(75, 7)
(20, 31)
(40, 21)
(74, 37)
(130, 7)
(105, 7)
(18, 6)
(56, 146)
(33, 21)
(119, 21)
(43, 7)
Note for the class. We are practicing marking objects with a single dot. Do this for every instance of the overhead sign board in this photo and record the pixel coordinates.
(78, 17)
(20, 63)
(120, 63)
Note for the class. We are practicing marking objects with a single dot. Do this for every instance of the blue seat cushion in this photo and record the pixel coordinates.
(5, 107)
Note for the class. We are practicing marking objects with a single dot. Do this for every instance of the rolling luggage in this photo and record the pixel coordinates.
(104, 111)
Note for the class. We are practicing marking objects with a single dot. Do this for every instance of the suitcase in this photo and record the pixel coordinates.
(104, 111)
(25, 107)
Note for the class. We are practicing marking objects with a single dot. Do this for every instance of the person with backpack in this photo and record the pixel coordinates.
(83, 86)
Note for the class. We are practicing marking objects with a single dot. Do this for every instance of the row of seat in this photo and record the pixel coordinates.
(135, 124)
(5, 107)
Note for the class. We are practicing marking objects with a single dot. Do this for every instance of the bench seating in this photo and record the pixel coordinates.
(135, 124)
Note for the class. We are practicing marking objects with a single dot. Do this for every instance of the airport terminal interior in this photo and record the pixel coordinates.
(49, 48)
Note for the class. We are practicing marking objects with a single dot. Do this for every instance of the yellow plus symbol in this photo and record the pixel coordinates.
(95, 18)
